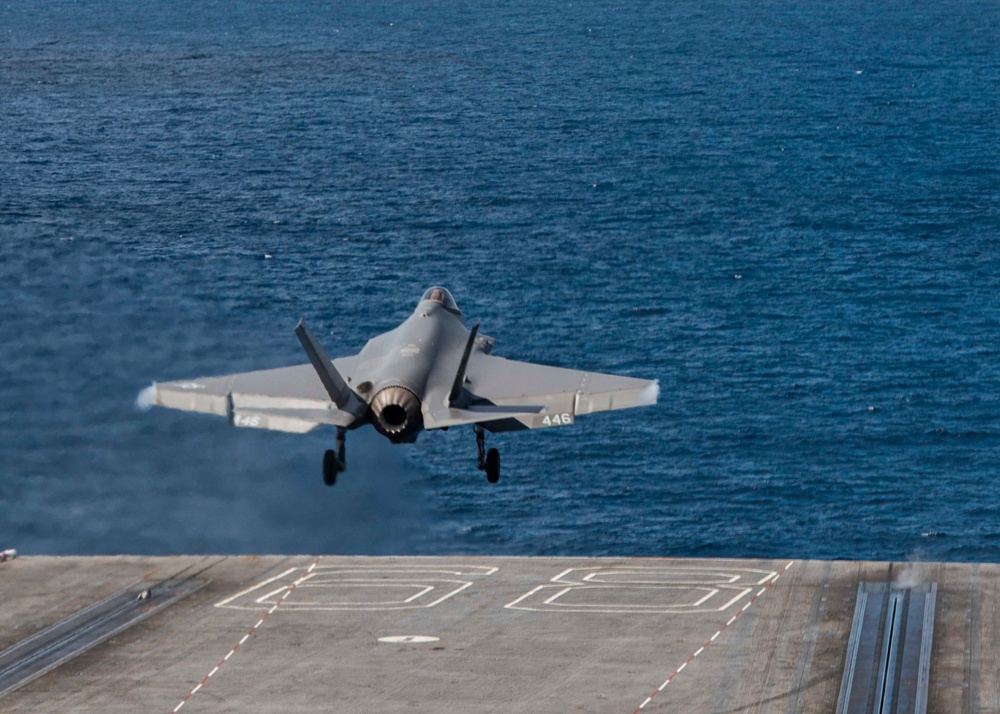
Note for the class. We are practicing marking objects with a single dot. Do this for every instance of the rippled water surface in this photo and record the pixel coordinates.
(787, 212)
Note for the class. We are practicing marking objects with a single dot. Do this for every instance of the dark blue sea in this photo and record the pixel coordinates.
(786, 211)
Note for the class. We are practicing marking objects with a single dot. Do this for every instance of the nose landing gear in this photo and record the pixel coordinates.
(489, 461)
(335, 461)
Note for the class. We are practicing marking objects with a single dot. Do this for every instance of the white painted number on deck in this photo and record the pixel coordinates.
(359, 588)
(244, 420)
(557, 420)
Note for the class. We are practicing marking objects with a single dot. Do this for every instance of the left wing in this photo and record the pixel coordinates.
(284, 399)
(506, 395)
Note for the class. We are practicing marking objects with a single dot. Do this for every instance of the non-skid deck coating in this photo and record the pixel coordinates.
(47, 649)
(306, 634)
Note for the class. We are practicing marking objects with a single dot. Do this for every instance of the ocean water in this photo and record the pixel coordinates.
(788, 212)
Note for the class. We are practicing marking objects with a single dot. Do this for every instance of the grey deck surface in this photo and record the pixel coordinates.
(513, 634)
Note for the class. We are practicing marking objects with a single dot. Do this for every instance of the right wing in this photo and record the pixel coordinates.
(506, 395)
(284, 399)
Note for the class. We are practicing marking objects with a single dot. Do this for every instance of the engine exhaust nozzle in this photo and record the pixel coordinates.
(396, 412)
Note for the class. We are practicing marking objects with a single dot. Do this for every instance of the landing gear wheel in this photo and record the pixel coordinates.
(335, 461)
(332, 465)
(493, 466)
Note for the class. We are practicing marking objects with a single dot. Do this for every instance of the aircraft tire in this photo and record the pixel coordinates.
(493, 466)
(331, 465)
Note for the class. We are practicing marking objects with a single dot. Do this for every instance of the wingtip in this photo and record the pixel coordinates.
(651, 394)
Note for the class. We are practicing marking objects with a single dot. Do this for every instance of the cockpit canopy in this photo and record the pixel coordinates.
(441, 295)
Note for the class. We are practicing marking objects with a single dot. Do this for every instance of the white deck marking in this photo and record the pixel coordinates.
(712, 639)
(451, 594)
(409, 639)
(369, 604)
(424, 578)
(562, 575)
(524, 597)
(253, 629)
(733, 601)
(419, 594)
(711, 593)
(558, 594)
(271, 594)
(637, 608)
(258, 585)
(631, 580)
(604, 576)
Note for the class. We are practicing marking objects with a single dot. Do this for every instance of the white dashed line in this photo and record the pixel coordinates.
(701, 649)
(252, 629)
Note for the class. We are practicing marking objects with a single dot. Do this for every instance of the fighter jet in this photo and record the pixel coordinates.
(431, 372)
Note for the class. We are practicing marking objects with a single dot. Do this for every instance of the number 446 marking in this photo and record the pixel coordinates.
(558, 419)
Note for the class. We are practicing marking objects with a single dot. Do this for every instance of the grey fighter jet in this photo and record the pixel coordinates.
(431, 372)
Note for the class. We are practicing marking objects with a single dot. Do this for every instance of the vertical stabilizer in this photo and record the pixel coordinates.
(459, 383)
(341, 394)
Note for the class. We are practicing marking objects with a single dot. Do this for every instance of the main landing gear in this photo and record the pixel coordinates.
(489, 461)
(335, 461)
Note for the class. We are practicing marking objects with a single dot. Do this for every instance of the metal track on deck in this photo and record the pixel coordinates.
(46, 650)
(889, 651)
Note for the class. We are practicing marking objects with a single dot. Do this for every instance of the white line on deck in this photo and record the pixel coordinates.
(253, 629)
(524, 597)
(258, 585)
(712, 639)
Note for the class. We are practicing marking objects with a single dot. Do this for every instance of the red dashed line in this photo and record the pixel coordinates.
(245, 637)
(701, 649)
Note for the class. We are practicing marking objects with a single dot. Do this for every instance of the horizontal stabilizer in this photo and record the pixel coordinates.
(297, 421)
(446, 417)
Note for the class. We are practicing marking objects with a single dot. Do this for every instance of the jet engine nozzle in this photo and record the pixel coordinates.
(396, 412)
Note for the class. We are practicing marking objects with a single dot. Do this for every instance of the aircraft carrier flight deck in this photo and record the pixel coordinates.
(484, 634)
